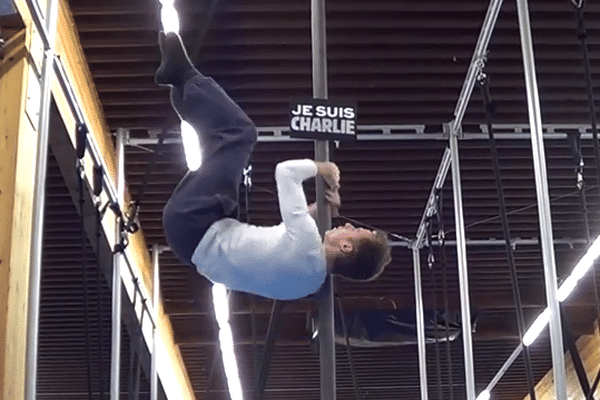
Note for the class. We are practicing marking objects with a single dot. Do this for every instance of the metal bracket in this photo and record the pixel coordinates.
(447, 131)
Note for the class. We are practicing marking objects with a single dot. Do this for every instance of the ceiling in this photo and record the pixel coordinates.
(403, 63)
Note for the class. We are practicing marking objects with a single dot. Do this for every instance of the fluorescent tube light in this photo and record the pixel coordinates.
(537, 327)
(485, 395)
(191, 146)
(169, 18)
(221, 305)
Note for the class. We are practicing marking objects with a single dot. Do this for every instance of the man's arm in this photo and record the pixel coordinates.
(289, 176)
(331, 175)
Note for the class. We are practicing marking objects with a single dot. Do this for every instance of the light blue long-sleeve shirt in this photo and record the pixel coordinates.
(286, 261)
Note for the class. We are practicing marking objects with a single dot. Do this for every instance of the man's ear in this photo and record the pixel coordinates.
(346, 246)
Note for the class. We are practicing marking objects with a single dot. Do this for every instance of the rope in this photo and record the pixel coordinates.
(582, 36)
(349, 350)
(489, 111)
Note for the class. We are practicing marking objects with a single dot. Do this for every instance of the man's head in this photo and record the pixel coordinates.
(356, 253)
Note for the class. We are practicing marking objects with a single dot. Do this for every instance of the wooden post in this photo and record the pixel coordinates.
(18, 141)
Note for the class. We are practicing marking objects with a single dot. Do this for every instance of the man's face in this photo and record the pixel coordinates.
(348, 233)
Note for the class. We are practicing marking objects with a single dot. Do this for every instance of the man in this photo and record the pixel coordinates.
(286, 261)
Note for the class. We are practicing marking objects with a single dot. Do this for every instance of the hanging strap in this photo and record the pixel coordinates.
(430, 264)
(135, 349)
(136, 385)
(85, 282)
(131, 226)
(81, 132)
(348, 349)
(442, 239)
(489, 107)
(98, 175)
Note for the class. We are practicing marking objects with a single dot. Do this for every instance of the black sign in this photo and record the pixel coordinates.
(322, 120)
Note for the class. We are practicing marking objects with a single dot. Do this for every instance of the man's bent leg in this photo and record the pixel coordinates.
(227, 137)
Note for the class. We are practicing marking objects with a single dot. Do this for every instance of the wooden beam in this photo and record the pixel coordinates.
(589, 349)
(18, 142)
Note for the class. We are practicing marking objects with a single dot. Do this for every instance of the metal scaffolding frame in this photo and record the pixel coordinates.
(52, 67)
(451, 156)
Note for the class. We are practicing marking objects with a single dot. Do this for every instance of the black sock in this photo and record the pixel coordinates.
(175, 66)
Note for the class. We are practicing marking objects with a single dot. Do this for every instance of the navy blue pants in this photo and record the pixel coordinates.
(227, 137)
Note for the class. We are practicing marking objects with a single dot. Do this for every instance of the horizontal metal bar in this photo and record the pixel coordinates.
(477, 242)
(401, 133)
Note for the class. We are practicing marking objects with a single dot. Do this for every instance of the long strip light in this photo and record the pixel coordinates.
(485, 395)
(193, 156)
(191, 146)
(221, 305)
(581, 268)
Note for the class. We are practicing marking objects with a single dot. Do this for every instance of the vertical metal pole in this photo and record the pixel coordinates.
(420, 323)
(115, 363)
(325, 297)
(39, 200)
(541, 186)
(463, 274)
(155, 304)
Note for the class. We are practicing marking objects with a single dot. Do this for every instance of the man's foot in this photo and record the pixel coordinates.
(175, 66)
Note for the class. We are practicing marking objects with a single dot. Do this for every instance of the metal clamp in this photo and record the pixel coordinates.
(446, 130)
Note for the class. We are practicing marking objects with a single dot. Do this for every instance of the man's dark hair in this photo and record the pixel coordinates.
(368, 258)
